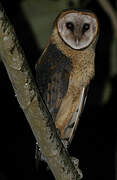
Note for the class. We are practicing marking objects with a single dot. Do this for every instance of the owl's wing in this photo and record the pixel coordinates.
(73, 122)
(52, 74)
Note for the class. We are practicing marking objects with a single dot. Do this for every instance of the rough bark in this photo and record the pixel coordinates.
(32, 105)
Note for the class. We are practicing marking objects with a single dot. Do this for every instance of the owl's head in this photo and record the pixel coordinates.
(78, 29)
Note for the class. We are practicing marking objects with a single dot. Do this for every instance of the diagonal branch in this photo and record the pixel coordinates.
(31, 103)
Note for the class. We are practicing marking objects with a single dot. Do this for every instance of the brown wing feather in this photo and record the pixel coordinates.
(52, 74)
(74, 120)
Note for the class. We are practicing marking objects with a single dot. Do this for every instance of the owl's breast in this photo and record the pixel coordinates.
(83, 67)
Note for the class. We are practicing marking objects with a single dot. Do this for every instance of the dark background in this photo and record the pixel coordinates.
(95, 140)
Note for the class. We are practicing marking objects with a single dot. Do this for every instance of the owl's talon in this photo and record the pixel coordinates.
(65, 143)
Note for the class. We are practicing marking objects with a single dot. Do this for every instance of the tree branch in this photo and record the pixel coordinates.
(31, 103)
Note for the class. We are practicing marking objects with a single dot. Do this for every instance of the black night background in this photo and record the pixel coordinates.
(95, 143)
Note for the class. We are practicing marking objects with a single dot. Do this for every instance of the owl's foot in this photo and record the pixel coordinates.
(64, 141)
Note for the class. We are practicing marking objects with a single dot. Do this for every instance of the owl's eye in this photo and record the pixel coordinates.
(85, 28)
(70, 26)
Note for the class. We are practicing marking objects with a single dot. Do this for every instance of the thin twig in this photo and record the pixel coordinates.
(31, 103)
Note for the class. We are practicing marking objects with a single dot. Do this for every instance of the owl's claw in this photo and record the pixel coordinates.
(64, 141)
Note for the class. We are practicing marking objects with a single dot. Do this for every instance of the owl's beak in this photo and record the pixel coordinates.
(77, 38)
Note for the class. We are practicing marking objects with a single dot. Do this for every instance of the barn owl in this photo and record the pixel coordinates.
(66, 67)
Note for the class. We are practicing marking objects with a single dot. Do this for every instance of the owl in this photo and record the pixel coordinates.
(66, 68)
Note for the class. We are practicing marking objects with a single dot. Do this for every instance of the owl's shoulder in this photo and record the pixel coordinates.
(54, 58)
